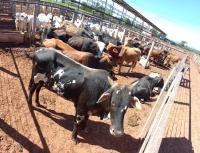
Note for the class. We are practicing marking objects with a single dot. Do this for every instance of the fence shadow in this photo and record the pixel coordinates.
(18, 137)
(182, 144)
(185, 83)
(8, 71)
(43, 141)
(176, 145)
(132, 75)
(98, 132)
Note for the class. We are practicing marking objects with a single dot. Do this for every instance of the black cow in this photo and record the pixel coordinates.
(132, 43)
(165, 55)
(144, 86)
(84, 44)
(92, 91)
(106, 39)
(62, 34)
(49, 32)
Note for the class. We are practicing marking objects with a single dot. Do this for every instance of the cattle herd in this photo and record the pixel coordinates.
(76, 62)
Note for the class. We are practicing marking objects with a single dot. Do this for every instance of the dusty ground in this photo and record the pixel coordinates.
(49, 130)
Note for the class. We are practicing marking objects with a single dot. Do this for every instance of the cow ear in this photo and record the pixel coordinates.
(123, 50)
(105, 96)
(135, 102)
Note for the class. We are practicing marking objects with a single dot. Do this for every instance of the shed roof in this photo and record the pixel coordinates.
(132, 10)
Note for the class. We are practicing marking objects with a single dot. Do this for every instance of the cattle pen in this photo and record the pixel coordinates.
(25, 131)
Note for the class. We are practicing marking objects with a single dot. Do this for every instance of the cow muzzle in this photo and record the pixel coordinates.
(115, 132)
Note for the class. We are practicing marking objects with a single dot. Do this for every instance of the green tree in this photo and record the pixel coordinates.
(84, 6)
(154, 32)
(127, 22)
(183, 43)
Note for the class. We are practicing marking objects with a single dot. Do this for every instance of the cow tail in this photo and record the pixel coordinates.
(32, 75)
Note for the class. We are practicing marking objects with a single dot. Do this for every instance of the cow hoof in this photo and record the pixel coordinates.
(75, 141)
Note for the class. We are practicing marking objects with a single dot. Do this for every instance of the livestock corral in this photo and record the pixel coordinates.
(48, 127)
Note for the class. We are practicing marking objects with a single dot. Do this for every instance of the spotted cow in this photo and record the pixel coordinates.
(92, 91)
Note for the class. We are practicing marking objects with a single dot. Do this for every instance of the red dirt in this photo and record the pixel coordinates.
(49, 130)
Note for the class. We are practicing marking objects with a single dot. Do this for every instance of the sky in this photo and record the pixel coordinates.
(179, 19)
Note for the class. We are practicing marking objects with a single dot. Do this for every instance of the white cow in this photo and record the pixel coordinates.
(41, 20)
(21, 20)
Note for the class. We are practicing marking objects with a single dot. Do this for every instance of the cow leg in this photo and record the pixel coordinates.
(74, 133)
(148, 95)
(80, 121)
(131, 67)
(120, 66)
(37, 93)
(83, 124)
(31, 81)
(31, 91)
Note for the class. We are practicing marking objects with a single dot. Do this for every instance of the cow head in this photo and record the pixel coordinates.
(23, 17)
(47, 32)
(101, 46)
(107, 62)
(157, 80)
(119, 97)
(94, 48)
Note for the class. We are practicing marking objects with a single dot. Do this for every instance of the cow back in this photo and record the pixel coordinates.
(70, 28)
(76, 42)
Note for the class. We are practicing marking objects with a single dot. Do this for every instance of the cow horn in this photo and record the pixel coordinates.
(112, 83)
(135, 102)
(110, 80)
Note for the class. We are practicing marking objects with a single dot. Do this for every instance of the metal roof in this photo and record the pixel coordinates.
(132, 10)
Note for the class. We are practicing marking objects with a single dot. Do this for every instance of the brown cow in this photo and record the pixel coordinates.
(104, 62)
(122, 53)
(171, 58)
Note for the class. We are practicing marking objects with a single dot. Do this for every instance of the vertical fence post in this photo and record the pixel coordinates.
(34, 23)
(149, 55)
(74, 17)
(14, 9)
(124, 34)
(117, 32)
(100, 26)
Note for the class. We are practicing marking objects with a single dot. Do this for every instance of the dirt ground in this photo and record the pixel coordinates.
(49, 130)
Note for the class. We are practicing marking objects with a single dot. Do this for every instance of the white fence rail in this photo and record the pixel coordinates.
(156, 123)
